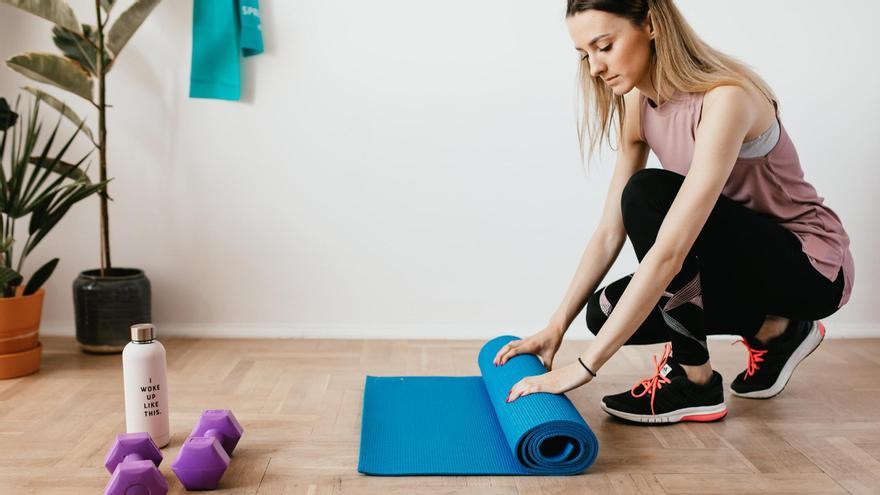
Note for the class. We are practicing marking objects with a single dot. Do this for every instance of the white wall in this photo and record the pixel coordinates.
(410, 169)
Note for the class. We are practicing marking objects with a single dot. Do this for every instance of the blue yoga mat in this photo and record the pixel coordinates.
(444, 425)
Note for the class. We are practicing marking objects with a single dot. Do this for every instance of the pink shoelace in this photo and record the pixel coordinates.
(755, 357)
(654, 382)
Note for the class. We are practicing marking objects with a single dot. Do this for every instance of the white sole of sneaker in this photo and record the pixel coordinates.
(814, 338)
(701, 414)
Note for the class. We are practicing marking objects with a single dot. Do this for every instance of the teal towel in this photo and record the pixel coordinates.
(221, 30)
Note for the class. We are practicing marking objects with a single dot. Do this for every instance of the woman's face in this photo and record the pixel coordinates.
(619, 53)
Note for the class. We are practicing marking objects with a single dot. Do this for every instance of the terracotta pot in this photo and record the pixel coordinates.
(20, 349)
(20, 363)
(20, 321)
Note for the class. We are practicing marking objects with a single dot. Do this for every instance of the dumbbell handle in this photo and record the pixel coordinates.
(213, 433)
(134, 456)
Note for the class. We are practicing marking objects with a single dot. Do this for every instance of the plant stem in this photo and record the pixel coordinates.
(21, 258)
(102, 148)
(7, 255)
(11, 234)
(3, 224)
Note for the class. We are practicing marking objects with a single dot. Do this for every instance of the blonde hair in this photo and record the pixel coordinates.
(680, 60)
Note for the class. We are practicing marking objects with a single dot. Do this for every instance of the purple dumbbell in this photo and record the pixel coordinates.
(204, 455)
(134, 461)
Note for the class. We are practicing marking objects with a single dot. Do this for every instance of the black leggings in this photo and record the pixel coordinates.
(742, 267)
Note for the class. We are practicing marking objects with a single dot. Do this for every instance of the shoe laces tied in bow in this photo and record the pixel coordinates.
(654, 382)
(755, 357)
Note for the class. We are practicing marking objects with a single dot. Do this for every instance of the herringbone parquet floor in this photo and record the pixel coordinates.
(300, 403)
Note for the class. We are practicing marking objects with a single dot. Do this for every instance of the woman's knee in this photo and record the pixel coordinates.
(596, 313)
(643, 186)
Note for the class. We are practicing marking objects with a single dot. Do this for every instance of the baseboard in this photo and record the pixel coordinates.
(414, 332)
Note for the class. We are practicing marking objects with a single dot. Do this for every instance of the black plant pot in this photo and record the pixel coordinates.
(106, 307)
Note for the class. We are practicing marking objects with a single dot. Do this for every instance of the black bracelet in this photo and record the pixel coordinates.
(586, 368)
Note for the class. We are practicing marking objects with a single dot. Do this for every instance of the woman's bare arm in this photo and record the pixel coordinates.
(609, 236)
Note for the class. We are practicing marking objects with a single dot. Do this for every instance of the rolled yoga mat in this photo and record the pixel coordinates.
(444, 425)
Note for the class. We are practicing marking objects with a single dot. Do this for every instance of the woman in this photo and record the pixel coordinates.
(730, 237)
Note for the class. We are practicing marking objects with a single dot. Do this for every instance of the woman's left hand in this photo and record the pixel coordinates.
(558, 381)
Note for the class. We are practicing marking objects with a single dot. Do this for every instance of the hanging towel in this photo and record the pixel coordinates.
(221, 30)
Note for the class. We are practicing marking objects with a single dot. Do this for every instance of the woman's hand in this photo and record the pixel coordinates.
(544, 344)
(554, 382)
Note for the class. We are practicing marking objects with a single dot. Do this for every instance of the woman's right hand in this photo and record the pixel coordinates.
(544, 344)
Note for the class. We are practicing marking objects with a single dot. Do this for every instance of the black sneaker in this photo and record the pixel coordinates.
(770, 366)
(669, 397)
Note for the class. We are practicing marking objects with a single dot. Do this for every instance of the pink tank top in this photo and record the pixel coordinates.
(772, 184)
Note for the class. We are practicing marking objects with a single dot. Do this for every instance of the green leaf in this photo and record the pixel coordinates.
(107, 5)
(127, 23)
(3, 181)
(73, 46)
(61, 167)
(6, 243)
(8, 117)
(40, 212)
(37, 195)
(57, 11)
(56, 70)
(62, 108)
(41, 172)
(9, 279)
(40, 276)
(24, 141)
(58, 211)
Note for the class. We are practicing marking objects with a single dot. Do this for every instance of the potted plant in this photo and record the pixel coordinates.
(107, 300)
(43, 187)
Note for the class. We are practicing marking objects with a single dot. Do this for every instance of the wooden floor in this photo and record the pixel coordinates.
(299, 402)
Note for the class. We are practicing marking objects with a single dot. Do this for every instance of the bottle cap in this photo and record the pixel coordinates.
(143, 332)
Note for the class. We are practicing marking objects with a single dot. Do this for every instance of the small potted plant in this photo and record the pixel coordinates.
(109, 299)
(35, 183)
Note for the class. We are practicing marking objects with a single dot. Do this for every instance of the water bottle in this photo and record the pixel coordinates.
(146, 389)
